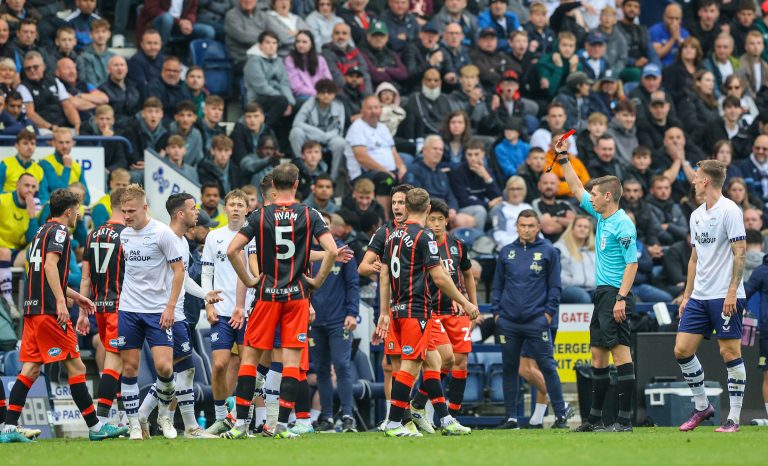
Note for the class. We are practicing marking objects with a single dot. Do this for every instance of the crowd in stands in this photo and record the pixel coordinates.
(460, 97)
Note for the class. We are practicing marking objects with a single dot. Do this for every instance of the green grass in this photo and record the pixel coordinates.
(646, 447)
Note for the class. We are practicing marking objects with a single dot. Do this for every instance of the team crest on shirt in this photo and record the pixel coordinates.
(454, 250)
(185, 347)
(61, 235)
(221, 256)
(626, 242)
(536, 256)
(602, 243)
(433, 247)
(712, 222)
(536, 267)
(511, 255)
(391, 345)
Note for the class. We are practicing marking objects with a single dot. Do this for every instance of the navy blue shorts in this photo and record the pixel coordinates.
(528, 350)
(224, 337)
(134, 327)
(762, 363)
(182, 343)
(702, 317)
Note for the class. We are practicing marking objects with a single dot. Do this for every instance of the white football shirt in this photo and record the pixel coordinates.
(178, 312)
(712, 232)
(148, 254)
(224, 275)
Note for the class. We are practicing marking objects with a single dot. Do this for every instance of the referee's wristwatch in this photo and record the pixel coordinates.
(620, 297)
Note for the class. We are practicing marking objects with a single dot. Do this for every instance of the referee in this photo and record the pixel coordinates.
(616, 268)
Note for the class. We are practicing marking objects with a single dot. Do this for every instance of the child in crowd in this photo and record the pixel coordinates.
(512, 151)
(597, 125)
(175, 150)
(210, 123)
(554, 68)
(184, 125)
(640, 167)
(361, 200)
(195, 82)
(392, 114)
(541, 38)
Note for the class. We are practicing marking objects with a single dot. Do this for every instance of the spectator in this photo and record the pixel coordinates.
(219, 168)
(402, 25)
(640, 49)
(675, 159)
(755, 253)
(743, 24)
(352, 94)
(505, 218)
(623, 130)
(736, 190)
(593, 60)
(578, 166)
(92, 61)
(83, 96)
(606, 94)
(650, 82)
(321, 22)
(392, 114)
(383, 64)
(147, 64)
(555, 215)
(707, 26)
(12, 119)
(341, 56)
(169, 88)
(259, 164)
(103, 124)
(358, 16)
(371, 151)
(522, 57)
(425, 53)
(7, 75)
(252, 195)
(616, 47)
(146, 132)
(511, 152)
(119, 178)
(243, 24)
(122, 95)
(650, 131)
(5, 38)
(667, 36)
(361, 200)
(476, 189)
(680, 75)
(248, 132)
(456, 133)
(642, 287)
(541, 37)
(195, 84)
(65, 44)
(311, 165)
(321, 118)
(212, 13)
(172, 20)
(753, 220)
(639, 168)
(60, 169)
(471, 99)
(674, 271)
(722, 151)
(755, 168)
(210, 124)
(12, 168)
(210, 200)
(574, 97)
(425, 109)
(531, 171)
(632, 202)
(46, 100)
(81, 20)
(577, 261)
(722, 63)
(691, 202)
(185, 118)
(284, 24)
(25, 42)
(729, 127)
(455, 11)
(502, 21)
(567, 17)
(553, 69)
(14, 12)
(554, 122)
(666, 211)
(736, 86)
(305, 67)
(752, 61)
(511, 104)
(322, 194)
(15, 233)
(606, 163)
(491, 62)
(701, 102)
(175, 151)
(266, 81)
(597, 126)
(455, 52)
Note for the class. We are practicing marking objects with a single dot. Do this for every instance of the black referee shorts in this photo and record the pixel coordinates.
(604, 331)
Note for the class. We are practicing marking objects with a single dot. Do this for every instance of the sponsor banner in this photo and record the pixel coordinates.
(572, 340)
(160, 181)
(91, 159)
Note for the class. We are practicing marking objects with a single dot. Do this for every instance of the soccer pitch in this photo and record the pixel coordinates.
(646, 446)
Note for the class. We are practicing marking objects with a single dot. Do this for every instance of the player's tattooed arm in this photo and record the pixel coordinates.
(739, 249)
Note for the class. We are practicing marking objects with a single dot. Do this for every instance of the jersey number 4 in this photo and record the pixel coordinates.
(36, 256)
(101, 263)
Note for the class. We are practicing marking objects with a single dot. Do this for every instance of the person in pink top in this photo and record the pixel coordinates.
(305, 67)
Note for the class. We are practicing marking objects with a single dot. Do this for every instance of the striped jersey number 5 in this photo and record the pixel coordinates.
(36, 256)
(284, 241)
(394, 263)
(101, 266)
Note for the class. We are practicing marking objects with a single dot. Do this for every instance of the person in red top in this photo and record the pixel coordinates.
(282, 233)
(48, 334)
(103, 270)
(410, 256)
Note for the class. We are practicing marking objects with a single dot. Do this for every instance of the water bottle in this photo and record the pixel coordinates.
(759, 422)
(202, 421)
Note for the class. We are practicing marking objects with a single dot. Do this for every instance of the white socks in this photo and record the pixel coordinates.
(537, 418)
(737, 382)
(693, 374)
(185, 395)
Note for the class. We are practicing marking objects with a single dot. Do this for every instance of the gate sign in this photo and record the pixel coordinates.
(572, 340)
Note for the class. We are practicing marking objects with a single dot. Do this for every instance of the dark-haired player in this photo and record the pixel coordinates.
(48, 333)
(410, 257)
(283, 234)
(451, 327)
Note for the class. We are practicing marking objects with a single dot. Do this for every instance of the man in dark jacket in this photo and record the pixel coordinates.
(402, 25)
(123, 96)
(219, 167)
(147, 64)
(758, 283)
(384, 65)
(146, 132)
(336, 313)
(525, 298)
(341, 56)
(755, 168)
(181, 25)
(492, 62)
(424, 173)
(632, 201)
(424, 53)
(426, 109)
(667, 212)
(169, 88)
(475, 188)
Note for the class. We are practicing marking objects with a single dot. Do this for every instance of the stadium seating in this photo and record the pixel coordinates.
(214, 58)
(474, 393)
(11, 363)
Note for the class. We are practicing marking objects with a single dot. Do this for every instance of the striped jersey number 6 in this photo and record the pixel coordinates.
(394, 263)
(284, 241)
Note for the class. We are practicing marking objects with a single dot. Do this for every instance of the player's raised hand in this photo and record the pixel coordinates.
(62, 313)
(83, 324)
(238, 318)
(344, 254)
(166, 318)
(213, 296)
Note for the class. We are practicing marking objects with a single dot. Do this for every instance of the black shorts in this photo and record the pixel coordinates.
(604, 332)
(383, 182)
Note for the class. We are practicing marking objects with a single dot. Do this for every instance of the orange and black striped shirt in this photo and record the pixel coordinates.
(53, 237)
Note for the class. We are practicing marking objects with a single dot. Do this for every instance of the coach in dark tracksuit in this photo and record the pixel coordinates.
(336, 305)
(524, 299)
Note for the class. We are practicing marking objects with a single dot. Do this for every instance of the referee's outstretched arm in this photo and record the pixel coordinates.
(574, 183)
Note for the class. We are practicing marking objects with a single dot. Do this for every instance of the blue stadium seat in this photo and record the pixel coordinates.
(467, 235)
(488, 359)
(216, 62)
(202, 342)
(495, 382)
(202, 384)
(11, 363)
(474, 393)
